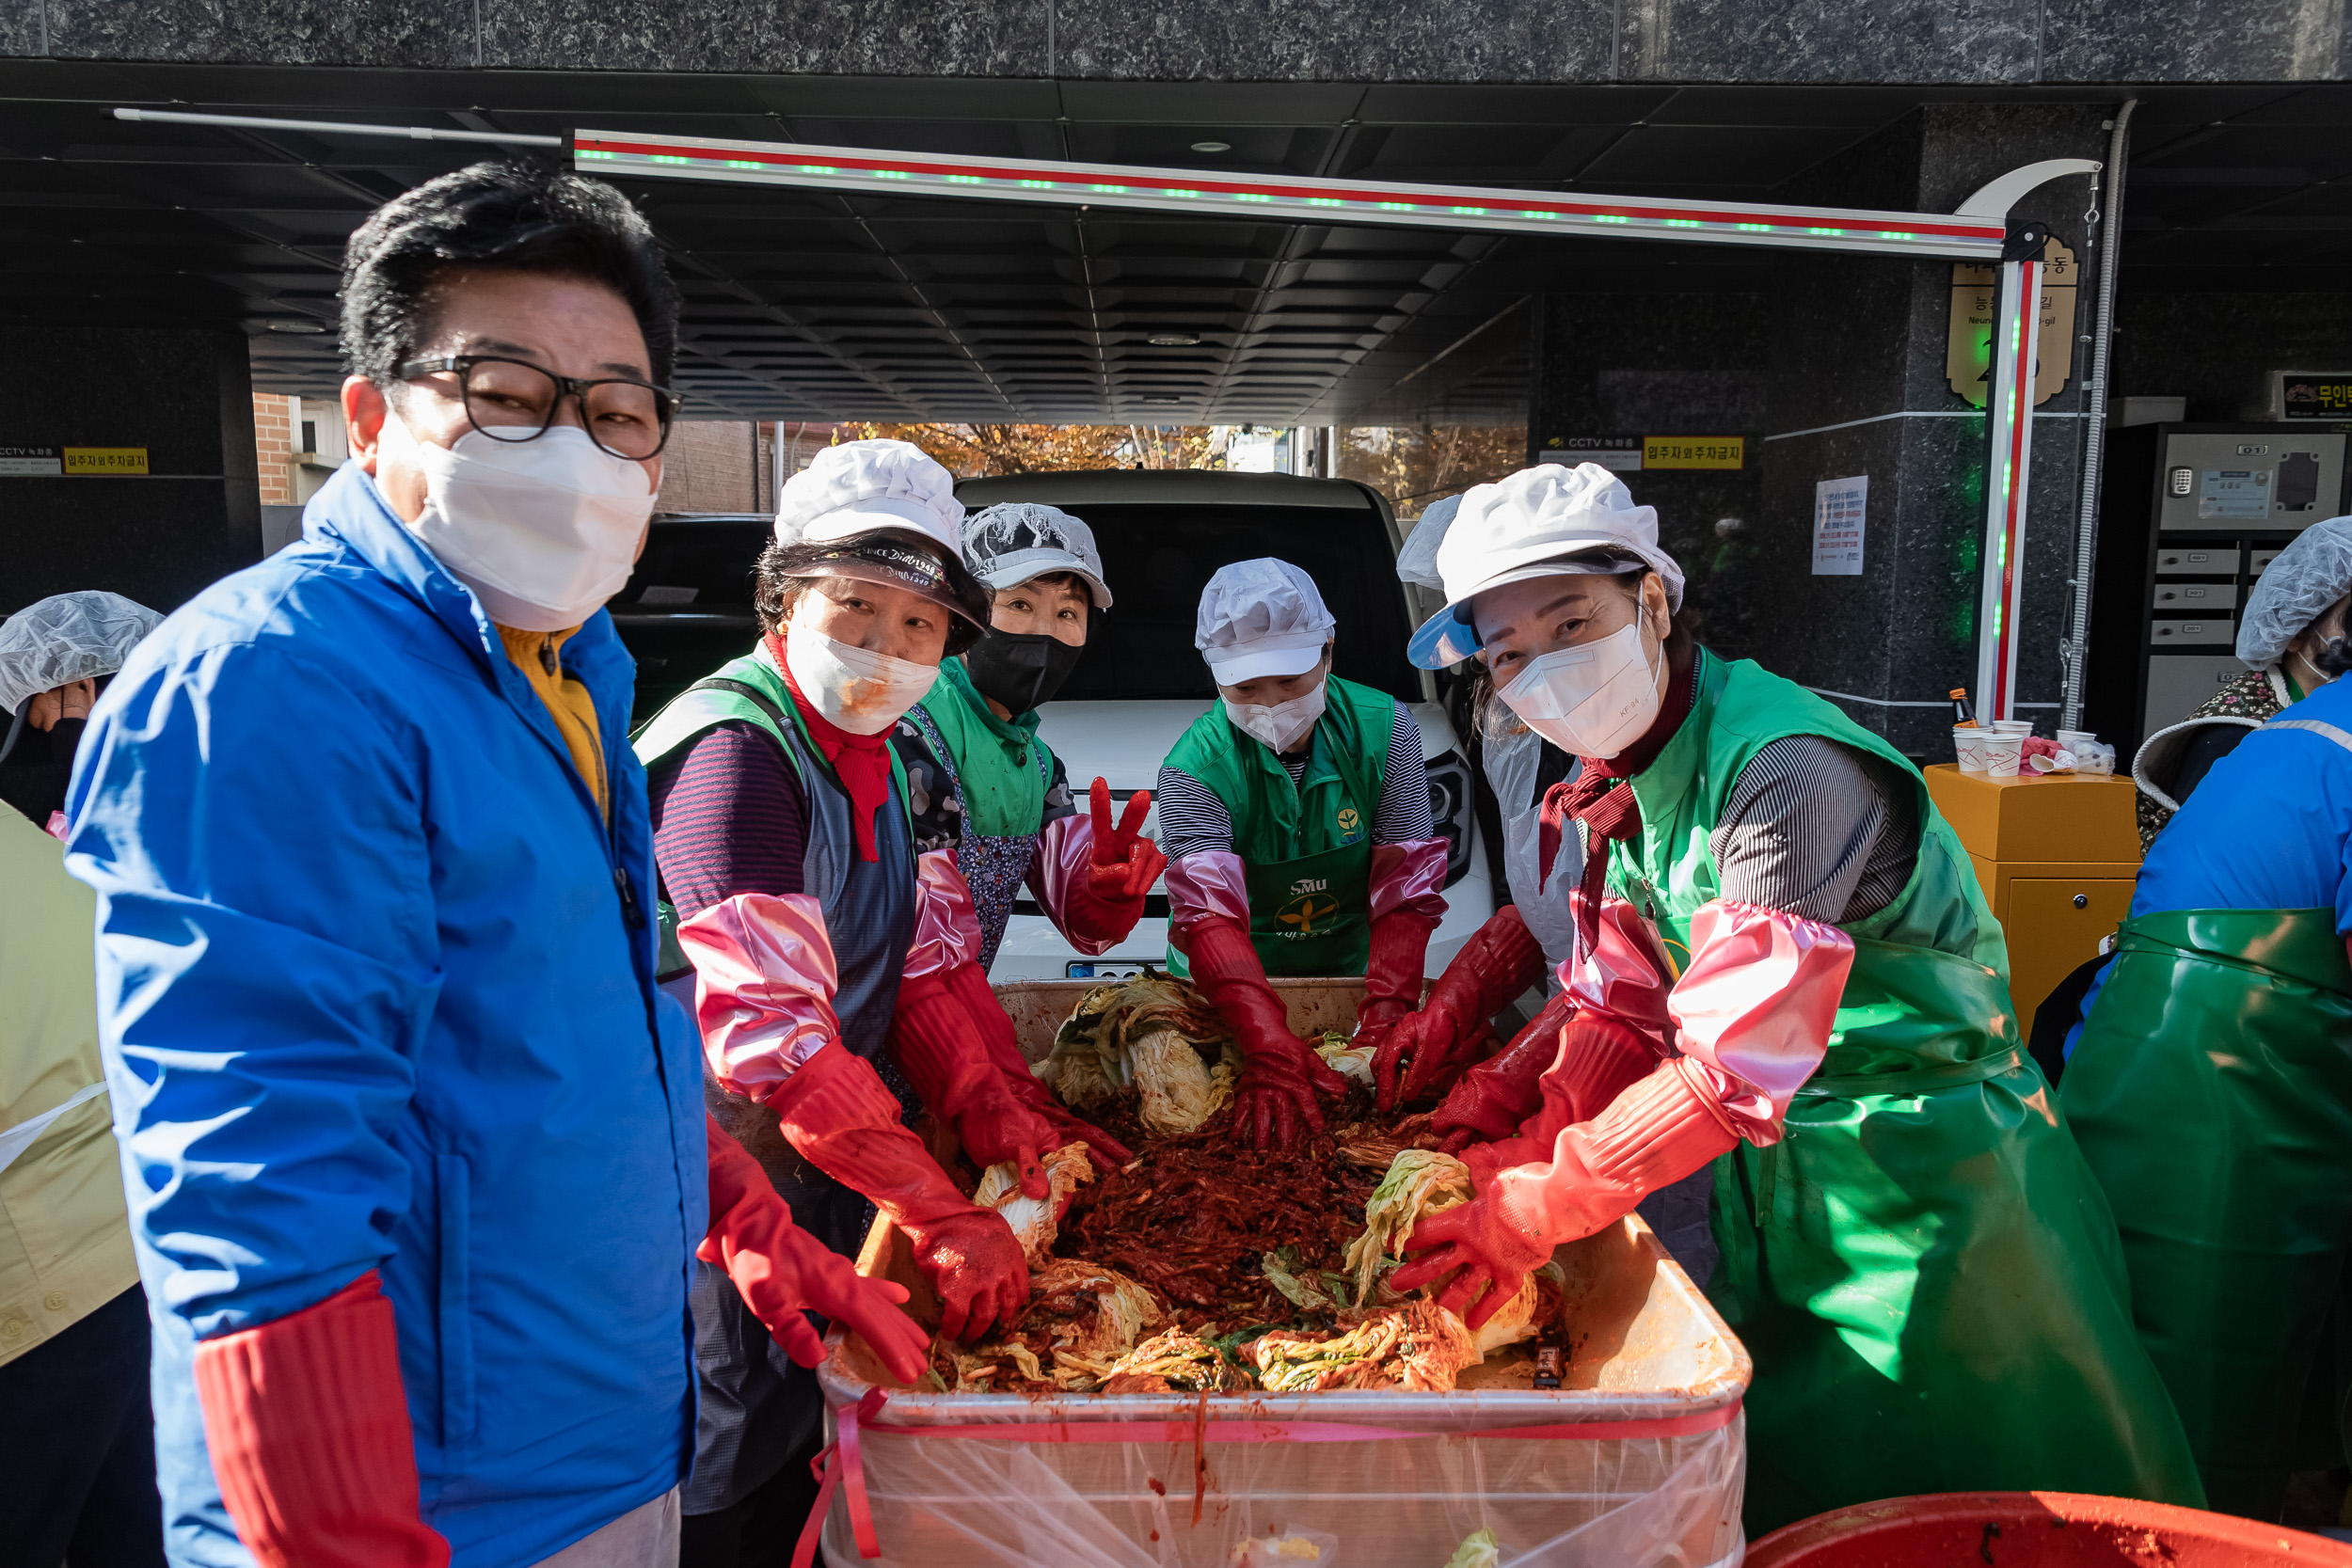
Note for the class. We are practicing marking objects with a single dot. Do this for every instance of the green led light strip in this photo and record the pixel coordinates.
(1192, 191)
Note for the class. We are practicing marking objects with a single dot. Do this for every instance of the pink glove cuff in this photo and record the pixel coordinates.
(1625, 977)
(946, 927)
(1757, 1004)
(1210, 885)
(1065, 849)
(1408, 876)
(763, 982)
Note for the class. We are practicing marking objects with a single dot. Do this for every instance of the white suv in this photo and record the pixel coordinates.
(1162, 533)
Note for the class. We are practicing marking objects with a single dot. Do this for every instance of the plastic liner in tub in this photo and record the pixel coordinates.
(1638, 1458)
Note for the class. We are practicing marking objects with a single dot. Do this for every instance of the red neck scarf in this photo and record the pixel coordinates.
(1608, 812)
(862, 762)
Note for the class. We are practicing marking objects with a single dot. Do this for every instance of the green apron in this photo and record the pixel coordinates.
(1922, 1266)
(2212, 1090)
(1305, 848)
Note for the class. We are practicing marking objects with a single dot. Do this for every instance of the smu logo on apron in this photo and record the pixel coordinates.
(1310, 910)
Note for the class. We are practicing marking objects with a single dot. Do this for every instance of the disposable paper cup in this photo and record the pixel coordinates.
(1969, 742)
(2071, 740)
(2013, 726)
(2003, 754)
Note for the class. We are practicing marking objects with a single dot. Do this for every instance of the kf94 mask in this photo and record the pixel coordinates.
(1282, 726)
(862, 692)
(1593, 700)
(543, 531)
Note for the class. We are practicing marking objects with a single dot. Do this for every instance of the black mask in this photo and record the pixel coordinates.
(1020, 670)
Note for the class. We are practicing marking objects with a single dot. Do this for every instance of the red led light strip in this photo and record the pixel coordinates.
(1370, 201)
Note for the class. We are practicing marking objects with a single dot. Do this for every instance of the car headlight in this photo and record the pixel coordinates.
(1449, 810)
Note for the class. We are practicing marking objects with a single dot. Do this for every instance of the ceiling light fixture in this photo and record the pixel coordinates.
(1213, 146)
(1174, 339)
(295, 326)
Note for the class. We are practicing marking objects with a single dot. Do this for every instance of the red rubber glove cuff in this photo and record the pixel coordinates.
(782, 1271)
(836, 1113)
(1004, 1049)
(1493, 1098)
(1280, 1076)
(308, 1428)
(1501, 960)
(945, 1053)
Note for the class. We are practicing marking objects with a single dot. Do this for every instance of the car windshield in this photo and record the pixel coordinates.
(1159, 558)
(704, 562)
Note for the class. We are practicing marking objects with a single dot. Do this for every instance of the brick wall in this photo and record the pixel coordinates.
(719, 466)
(273, 446)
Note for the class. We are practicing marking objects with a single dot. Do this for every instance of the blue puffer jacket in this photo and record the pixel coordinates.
(376, 991)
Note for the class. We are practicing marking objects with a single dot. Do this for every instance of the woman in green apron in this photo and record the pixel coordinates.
(1295, 818)
(2211, 1081)
(1784, 966)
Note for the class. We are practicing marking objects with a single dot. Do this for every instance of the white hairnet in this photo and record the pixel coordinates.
(1261, 617)
(2309, 576)
(69, 637)
(1416, 562)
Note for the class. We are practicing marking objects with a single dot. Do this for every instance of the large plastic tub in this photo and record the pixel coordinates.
(2038, 1529)
(1638, 1459)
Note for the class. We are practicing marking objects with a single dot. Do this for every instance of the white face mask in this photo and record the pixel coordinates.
(543, 531)
(1283, 726)
(1593, 700)
(862, 692)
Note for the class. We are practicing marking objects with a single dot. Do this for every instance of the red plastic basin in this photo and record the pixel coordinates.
(2036, 1530)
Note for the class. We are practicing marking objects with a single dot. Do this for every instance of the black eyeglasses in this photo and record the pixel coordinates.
(513, 400)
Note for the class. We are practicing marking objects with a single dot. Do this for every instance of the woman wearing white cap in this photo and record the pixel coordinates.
(832, 966)
(984, 783)
(1295, 816)
(1783, 965)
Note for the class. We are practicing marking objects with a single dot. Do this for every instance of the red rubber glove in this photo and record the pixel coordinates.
(1432, 1049)
(1280, 1075)
(1004, 1051)
(1563, 1068)
(1492, 1098)
(944, 1051)
(836, 1112)
(1123, 863)
(307, 1426)
(781, 1271)
(1400, 947)
(1656, 1132)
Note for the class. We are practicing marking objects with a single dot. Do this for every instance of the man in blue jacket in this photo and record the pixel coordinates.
(415, 1149)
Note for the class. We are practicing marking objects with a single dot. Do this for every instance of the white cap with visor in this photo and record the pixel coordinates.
(1015, 542)
(1261, 617)
(1529, 526)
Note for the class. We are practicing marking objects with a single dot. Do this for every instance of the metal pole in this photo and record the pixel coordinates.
(2095, 436)
(2009, 428)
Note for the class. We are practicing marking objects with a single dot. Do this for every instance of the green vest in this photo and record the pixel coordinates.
(1305, 848)
(709, 701)
(1001, 764)
(1922, 1265)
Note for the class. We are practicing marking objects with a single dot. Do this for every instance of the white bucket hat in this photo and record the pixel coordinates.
(1009, 544)
(1261, 617)
(862, 487)
(1522, 526)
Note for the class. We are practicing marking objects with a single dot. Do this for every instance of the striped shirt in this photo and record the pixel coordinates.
(728, 818)
(1817, 829)
(1194, 819)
